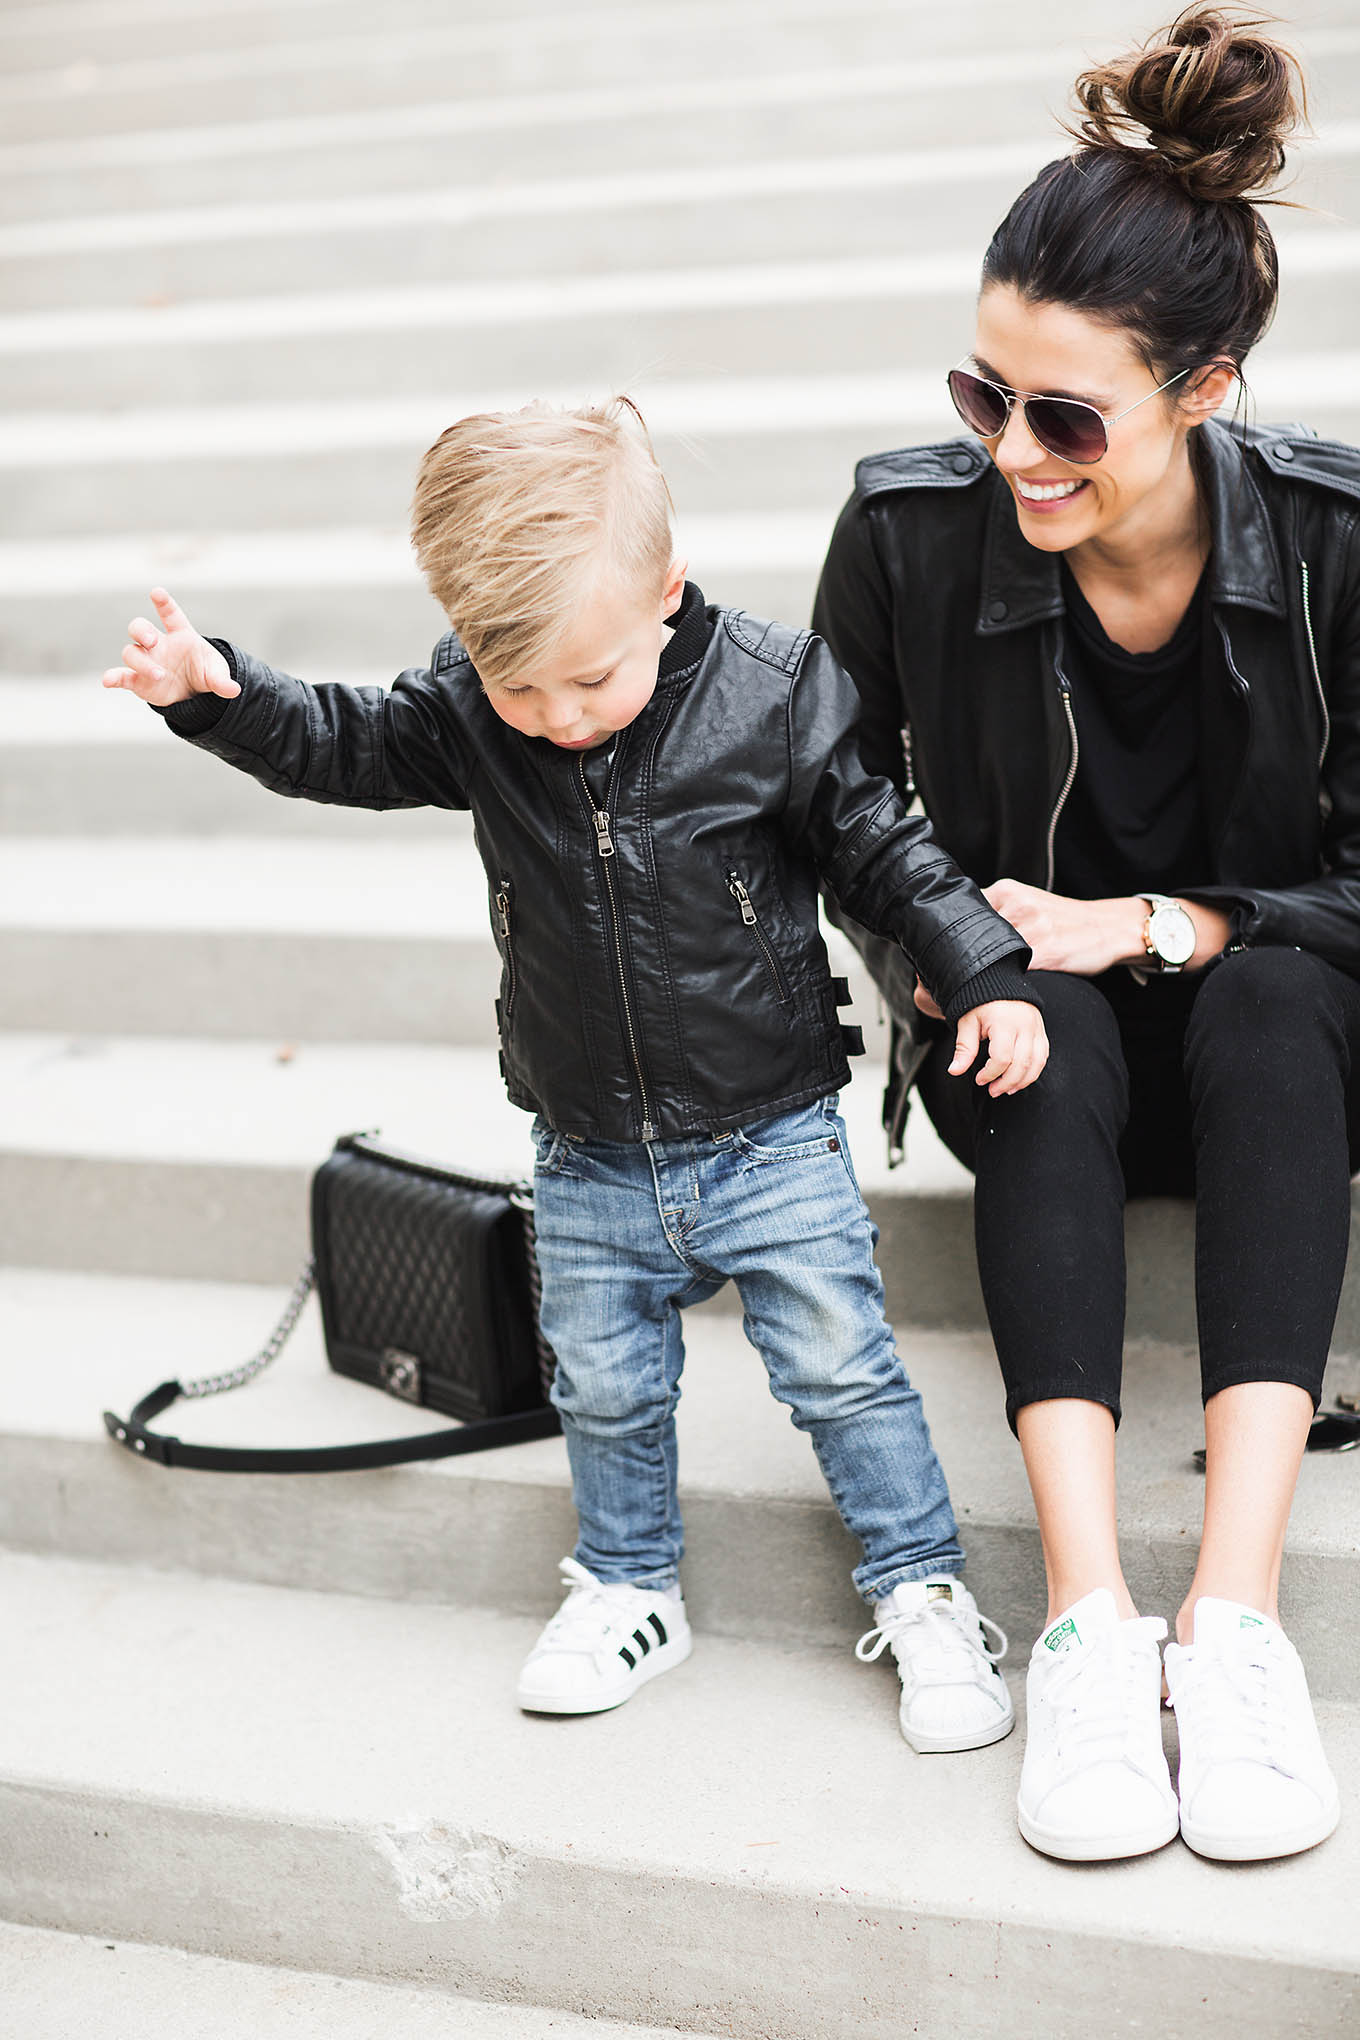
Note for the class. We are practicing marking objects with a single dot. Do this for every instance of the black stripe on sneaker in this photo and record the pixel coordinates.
(642, 1640)
(659, 1627)
(627, 1656)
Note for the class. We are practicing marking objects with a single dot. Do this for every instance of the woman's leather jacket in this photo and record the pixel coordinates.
(953, 628)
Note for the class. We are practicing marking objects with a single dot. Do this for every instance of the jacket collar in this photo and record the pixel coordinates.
(1022, 586)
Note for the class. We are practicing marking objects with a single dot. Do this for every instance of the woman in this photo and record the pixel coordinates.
(1123, 641)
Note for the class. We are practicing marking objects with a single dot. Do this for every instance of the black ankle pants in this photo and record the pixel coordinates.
(1238, 1086)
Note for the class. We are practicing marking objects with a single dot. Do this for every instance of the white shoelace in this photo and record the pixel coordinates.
(1230, 1699)
(1090, 1694)
(955, 1641)
(592, 1610)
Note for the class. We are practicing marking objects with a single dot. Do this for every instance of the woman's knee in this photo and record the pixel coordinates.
(1257, 1001)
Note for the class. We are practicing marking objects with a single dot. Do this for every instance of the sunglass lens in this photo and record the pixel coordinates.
(980, 404)
(1072, 431)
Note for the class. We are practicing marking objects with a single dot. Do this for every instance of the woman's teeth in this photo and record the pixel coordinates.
(1046, 492)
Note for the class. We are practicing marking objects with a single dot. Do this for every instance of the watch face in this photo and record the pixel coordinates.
(1172, 934)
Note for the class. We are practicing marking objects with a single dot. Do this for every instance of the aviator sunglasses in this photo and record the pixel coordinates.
(1064, 426)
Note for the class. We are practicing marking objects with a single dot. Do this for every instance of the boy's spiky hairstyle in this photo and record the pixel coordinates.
(519, 516)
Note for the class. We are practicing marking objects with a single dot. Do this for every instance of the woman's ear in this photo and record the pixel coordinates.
(1206, 391)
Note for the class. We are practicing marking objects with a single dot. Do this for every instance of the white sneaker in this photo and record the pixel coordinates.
(1094, 1784)
(953, 1696)
(602, 1644)
(1253, 1779)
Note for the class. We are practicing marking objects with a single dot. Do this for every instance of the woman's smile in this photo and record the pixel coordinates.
(1044, 498)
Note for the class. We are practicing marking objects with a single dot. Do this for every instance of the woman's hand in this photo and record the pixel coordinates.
(1086, 937)
(168, 665)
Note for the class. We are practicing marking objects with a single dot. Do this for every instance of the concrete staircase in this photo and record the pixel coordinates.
(251, 260)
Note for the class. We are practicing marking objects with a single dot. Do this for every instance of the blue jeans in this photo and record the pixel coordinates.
(628, 1233)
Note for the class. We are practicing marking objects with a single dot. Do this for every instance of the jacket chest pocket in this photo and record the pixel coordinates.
(769, 956)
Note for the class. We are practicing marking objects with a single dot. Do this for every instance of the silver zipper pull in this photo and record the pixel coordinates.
(604, 842)
(743, 899)
(503, 910)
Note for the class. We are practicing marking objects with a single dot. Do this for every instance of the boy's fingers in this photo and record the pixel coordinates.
(169, 611)
(142, 662)
(143, 633)
(967, 1042)
(224, 685)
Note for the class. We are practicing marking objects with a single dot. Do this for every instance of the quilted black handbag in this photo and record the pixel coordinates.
(428, 1285)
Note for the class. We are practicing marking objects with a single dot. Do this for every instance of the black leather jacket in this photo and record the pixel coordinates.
(656, 912)
(953, 628)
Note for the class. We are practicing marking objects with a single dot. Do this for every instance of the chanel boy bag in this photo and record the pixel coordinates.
(428, 1286)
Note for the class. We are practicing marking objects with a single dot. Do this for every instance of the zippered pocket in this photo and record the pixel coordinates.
(502, 900)
(736, 885)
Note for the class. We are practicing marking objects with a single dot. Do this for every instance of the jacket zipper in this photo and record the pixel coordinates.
(737, 888)
(1061, 802)
(604, 850)
(1313, 657)
(502, 901)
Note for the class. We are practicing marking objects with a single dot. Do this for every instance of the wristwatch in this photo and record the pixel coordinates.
(1168, 934)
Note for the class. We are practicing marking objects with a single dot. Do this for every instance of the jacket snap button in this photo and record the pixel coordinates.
(834, 1145)
(997, 610)
(1284, 453)
(962, 464)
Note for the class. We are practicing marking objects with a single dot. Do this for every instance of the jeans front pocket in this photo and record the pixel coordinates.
(791, 1136)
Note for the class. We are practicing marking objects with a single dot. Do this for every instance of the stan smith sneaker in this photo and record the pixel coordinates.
(953, 1696)
(1094, 1784)
(602, 1644)
(1254, 1781)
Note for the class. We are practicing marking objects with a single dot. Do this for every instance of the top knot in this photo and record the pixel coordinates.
(1209, 102)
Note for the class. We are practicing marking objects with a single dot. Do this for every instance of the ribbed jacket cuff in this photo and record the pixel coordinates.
(1004, 980)
(201, 712)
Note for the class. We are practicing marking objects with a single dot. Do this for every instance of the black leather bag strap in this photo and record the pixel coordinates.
(135, 1435)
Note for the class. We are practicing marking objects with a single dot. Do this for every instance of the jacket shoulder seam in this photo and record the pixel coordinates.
(763, 641)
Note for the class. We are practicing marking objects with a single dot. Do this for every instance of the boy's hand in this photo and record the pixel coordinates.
(1016, 1042)
(168, 665)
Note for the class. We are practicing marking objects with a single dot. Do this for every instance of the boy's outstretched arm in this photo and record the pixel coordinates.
(167, 664)
(371, 747)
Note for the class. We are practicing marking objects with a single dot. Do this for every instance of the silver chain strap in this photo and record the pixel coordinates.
(237, 1377)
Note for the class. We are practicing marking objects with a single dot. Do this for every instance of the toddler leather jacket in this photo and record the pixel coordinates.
(655, 909)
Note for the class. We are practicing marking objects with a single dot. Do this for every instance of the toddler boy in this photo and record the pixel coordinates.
(657, 789)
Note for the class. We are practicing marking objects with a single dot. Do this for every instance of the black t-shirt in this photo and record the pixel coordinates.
(1134, 819)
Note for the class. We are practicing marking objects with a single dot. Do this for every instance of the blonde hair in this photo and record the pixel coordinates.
(519, 517)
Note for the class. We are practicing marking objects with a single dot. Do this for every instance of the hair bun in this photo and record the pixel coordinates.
(1209, 102)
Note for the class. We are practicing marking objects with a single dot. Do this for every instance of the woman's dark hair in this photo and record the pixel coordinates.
(1149, 225)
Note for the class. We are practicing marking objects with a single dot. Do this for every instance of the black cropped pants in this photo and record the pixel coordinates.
(1238, 1086)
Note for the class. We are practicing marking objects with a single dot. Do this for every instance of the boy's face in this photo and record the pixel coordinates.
(601, 677)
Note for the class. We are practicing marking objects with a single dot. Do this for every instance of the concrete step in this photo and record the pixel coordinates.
(330, 597)
(556, 226)
(172, 1157)
(754, 1501)
(855, 204)
(334, 940)
(724, 442)
(56, 1985)
(345, 73)
(595, 131)
(804, 317)
(347, 1787)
